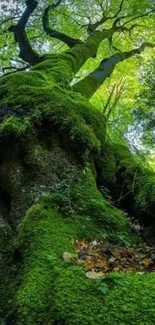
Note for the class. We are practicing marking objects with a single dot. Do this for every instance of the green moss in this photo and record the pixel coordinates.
(107, 165)
(79, 301)
(13, 126)
(138, 181)
(80, 53)
(88, 200)
(35, 154)
(44, 235)
(87, 86)
(6, 271)
(75, 120)
(53, 291)
(57, 68)
(38, 101)
(146, 195)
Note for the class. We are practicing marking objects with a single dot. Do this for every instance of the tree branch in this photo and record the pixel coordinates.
(89, 85)
(118, 91)
(92, 27)
(105, 108)
(8, 19)
(80, 53)
(118, 20)
(15, 70)
(26, 51)
(140, 16)
(52, 32)
(119, 10)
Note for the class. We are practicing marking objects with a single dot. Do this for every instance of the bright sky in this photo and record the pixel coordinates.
(11, 4)
(7, 6)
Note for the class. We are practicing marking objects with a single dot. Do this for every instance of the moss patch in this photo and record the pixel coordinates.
(79, 301)
(44, 235)
(39, 102)
(7, 281)
(138, 182)
(87, 200)
(53, 291)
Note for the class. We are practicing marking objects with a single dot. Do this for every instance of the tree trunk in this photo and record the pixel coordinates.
(52, 151)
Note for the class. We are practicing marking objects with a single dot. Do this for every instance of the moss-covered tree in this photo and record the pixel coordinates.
(55, 154)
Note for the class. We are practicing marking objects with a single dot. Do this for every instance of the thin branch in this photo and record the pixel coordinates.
(17, 61)
(100, 4)
(118, 20)
(14, 68)
(52, 32)
(109, 99)
(8, 19)
(71, 18)
(26, 51)
(119, 91)
(140, 16)
(36, 36)
(92, 27)
(119, 10)
(114, 96)
(111, 45)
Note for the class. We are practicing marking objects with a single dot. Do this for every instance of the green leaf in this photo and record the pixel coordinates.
(104, 288)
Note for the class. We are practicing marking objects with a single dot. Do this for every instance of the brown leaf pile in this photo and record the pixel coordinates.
(99, 259)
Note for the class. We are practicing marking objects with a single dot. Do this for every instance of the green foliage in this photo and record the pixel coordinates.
(145, 105)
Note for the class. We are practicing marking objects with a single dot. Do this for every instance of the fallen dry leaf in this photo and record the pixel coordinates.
(95, 275)
(146, 262)
(67, 257)
(99, 258)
